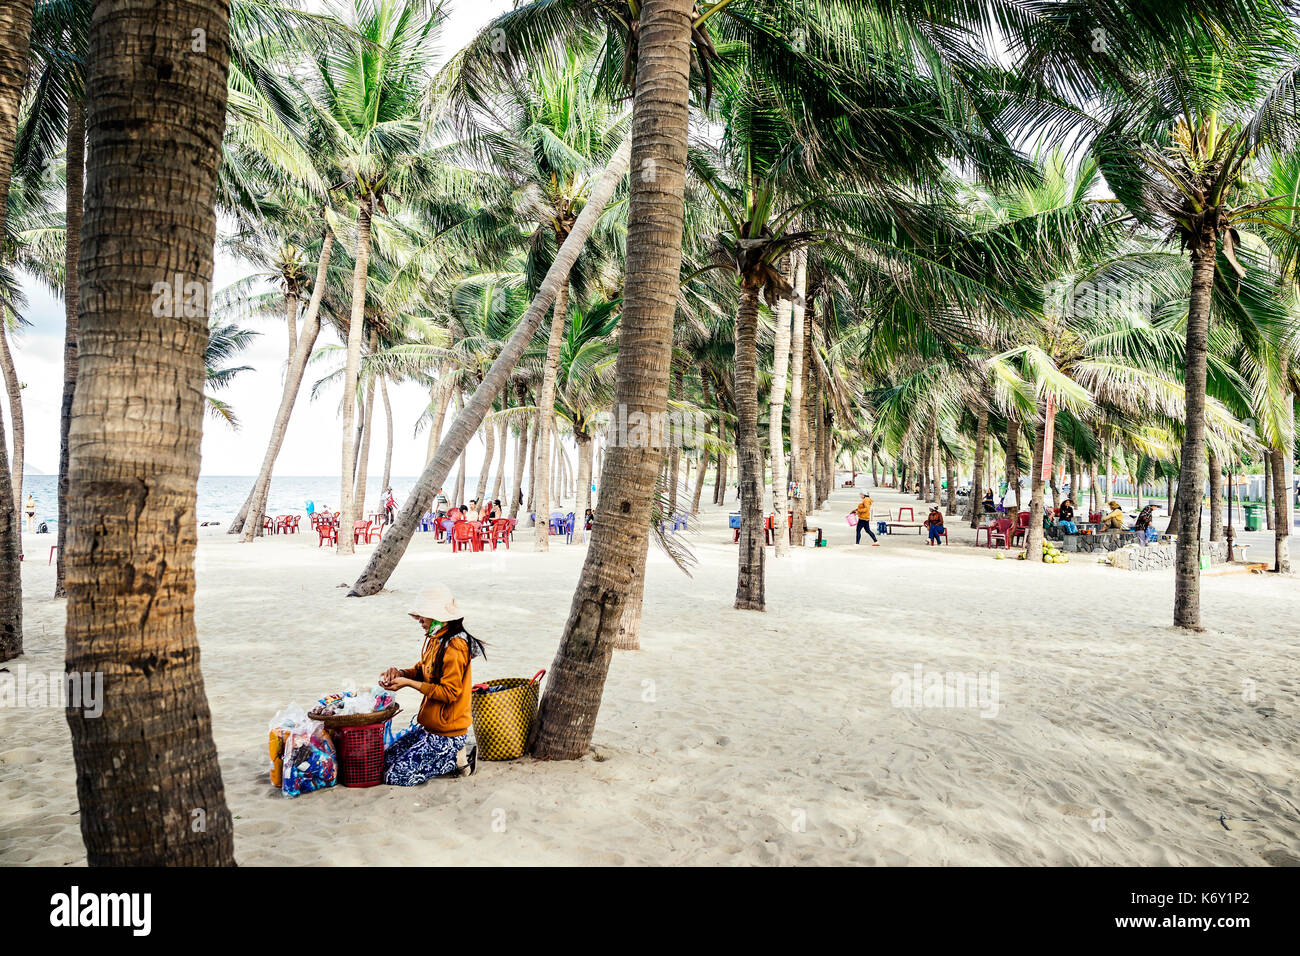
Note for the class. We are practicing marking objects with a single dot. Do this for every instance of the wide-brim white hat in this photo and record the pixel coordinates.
(436, 602)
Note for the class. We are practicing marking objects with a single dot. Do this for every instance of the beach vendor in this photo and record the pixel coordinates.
(864, 520)
(1114, 520)
(434, 745)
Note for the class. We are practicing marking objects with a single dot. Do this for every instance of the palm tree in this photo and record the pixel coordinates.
(366, 105)
(621, 528)
(468, 420)
(147, 774)
(56, 113)
(15, 34)
(558, 134)
(1188, 177)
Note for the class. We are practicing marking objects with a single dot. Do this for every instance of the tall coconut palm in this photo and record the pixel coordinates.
(15, 35)
(660, 115)
(367, 101)
(1188, 175)
(147, 774)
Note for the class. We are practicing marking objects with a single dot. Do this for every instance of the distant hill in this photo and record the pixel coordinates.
(32, 470)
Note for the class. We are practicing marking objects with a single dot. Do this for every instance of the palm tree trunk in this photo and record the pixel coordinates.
(439, 397)
(148, 780)
(458, 493)
(11, 584)
(952, 484)
(675, 456)
(1034, 537)
(1268, 490)
(615, 561)
(388, 443)
(798, 363)
(1281, 511)
(977, 478)
(1013, 455)
(532, 468)
(521, 458)
(545, 410)
(255, 504)
(74, 174)
(351, 369)
(776, 411)
(489, 449)
(14, 389)
(750, 576)
(394, 544)
(584, 483)
(15, 34)
(503, 445)
(367, 430)
(1191, 476)
(1216, 497)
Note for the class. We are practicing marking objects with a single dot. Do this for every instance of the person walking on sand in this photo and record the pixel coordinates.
(434, 745)
(31, 514)
(390, 505)
(864, 520)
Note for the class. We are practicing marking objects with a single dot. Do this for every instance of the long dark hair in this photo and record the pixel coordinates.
(444, 635)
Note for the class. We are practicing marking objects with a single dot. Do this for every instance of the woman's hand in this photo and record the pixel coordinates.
(389, 677)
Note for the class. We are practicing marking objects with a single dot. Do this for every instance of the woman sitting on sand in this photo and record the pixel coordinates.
(935, 523)
(1114, 521)
(434, 744)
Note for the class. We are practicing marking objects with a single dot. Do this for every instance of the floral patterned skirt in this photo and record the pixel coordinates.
(417, 755)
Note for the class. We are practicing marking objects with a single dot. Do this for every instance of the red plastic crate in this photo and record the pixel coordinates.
(361, 755)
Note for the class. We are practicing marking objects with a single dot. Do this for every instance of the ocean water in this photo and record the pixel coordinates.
(220, 496)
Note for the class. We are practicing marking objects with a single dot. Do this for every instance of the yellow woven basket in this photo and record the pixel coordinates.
(503, 711)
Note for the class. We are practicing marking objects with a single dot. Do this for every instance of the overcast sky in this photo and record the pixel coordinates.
(312, 446)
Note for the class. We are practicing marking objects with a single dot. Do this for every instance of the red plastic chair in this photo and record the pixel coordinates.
(464, 534)
(1021, 527)
(328, 534)
(911, 515)
(503, 529)
(1001, 531)
(360, 532)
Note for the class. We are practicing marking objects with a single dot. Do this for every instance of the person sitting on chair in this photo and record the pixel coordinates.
(1065, 514)
(935, 523)
(1114, 520)
(989, 506)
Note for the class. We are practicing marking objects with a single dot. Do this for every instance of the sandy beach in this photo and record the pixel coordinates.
(743, 738)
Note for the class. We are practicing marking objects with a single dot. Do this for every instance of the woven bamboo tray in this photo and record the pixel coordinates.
(334, 721)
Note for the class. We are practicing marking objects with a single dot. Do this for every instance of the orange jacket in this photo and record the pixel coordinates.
(864, 509)
(445, 708)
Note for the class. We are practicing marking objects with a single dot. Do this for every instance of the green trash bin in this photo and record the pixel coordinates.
(1253, 514)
